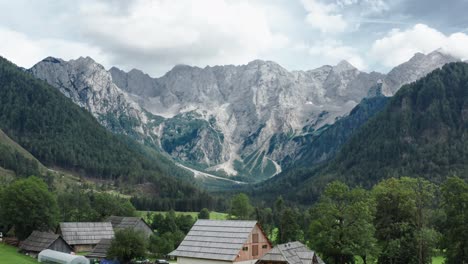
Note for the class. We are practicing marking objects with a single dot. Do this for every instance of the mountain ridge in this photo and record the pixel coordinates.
(229, 118)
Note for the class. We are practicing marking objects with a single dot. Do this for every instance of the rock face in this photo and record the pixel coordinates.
(238, 120)
(417, 67)
(90, 86)
(245, 109)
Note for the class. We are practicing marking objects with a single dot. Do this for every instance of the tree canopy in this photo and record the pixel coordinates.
(127, 245)
(27, 205)
(343, 224)
(241, 208)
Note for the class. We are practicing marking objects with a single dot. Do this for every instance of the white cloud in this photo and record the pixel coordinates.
(190, 32)
(324, 17)
(332, 52)
(399, 46)
(337, 16)
(25, 51)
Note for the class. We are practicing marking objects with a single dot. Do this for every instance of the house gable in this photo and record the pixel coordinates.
(255, 247)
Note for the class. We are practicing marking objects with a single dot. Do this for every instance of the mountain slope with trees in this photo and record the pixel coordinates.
(16, 159)
(325, 146)
(61, 134)
(421, 132)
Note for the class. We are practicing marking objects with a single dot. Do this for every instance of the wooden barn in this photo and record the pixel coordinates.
(222, 242)
(137, 223)
(100, 250)
(38, 241)
(290, 253)
(84, 236)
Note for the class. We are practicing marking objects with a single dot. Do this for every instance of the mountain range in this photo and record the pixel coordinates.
(249, 122)
(420, 132)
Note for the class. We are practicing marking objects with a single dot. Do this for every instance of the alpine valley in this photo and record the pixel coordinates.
(246, 123)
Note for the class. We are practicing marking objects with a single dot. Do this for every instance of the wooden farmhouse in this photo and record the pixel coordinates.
(100, 250)
(136, 223)
(290, 253)
(39, 241)
(83, 236)
(221, 242)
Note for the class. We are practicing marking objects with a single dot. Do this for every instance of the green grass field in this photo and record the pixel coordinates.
(435, 260)
(213, 215)
(9, 254)
(438, 260)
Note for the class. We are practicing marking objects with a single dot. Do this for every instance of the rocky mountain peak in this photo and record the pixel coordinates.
(86, 60)
(417, 67)
(263, 63)
(90, 86)
(344, 65)
(52, 60)
(134, 82)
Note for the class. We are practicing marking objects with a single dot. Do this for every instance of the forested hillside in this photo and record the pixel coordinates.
(16, 159)
(61, 134)
(325, 146)
(422, 132)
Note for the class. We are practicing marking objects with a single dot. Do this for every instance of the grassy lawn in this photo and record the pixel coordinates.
(10, 254)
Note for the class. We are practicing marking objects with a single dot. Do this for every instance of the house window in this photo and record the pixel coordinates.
(245, 248)
(255, 250)
(255, 238)
(265, 246)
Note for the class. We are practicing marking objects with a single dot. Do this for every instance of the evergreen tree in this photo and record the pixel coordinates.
(288, 229)
(240, 207)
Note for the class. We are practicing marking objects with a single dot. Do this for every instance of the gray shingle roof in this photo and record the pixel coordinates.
(100, 250)
(86, 233)
(38, 241)
(215, 239)
(292, 253)
(124, 221)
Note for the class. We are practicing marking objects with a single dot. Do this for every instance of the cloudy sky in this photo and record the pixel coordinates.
(155, 35)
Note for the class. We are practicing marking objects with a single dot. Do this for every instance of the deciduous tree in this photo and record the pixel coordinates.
(343, 227)
(28, 205)
(127, 245)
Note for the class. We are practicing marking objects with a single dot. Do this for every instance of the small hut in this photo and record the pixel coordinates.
(136, 223)
(290, 253)
(54, 257)
(100, 250)
(83, 236)
(39, 241)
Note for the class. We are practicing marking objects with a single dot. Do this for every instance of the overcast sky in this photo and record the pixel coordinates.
(155, 35)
